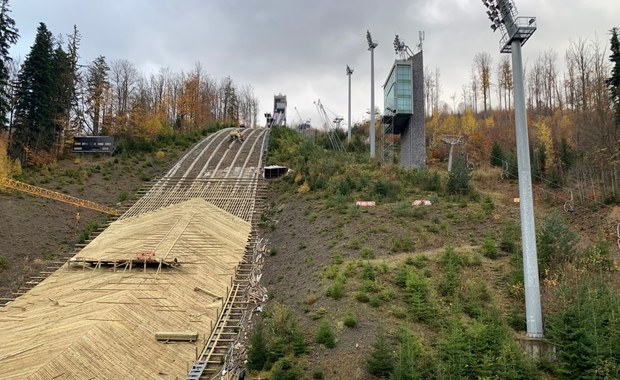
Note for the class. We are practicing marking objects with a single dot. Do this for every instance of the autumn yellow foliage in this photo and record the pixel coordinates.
(5, 162)
(543, 134)
(304, 188)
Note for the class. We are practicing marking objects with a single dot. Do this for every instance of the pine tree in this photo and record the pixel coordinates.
(8, 37)
(614, 81)
(34, 111)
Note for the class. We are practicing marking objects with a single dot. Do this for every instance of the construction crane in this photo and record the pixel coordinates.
(302, 124)
(331, 128)
(46, 193)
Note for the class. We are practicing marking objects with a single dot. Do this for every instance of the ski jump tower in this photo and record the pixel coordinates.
(279, 110)
(403, 93)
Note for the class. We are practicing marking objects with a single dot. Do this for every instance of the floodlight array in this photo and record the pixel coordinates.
(349, 70)
(401, 48)
(371, 44)
(501, 13)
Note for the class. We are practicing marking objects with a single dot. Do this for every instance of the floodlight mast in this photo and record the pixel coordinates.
(349, 73)
(402, 49)
(371, 46)
(515, 32)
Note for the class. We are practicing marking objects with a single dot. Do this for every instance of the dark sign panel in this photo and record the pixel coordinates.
(93, 144)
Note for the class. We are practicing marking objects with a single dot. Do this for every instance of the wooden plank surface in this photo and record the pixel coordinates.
(86, 323)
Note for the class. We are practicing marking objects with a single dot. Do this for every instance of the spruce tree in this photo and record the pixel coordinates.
(8, 37)
(97, 83)
(614, 81)
(380, 362)
(257, 354)
(63, 92)
(458, 178)
(35, 111)
(497, 155)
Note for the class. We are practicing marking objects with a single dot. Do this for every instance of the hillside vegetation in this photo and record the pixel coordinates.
(404, 292)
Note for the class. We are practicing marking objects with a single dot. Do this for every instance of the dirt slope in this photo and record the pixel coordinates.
(36, 230)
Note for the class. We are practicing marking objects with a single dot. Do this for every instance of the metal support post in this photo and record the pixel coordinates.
(533, 311)
(372, 102)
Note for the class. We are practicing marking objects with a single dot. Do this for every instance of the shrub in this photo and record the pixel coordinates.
(362, 297)
(325, 335)
(336, 290)
(298, 342)
(317, 314)
(311, 299)
(122, 197)
(282, 334)
(488, 206)
(318, 374)
(367, 253)
(88, 229)
(384, 190)
(598, 257)
(369, 286)
(375, 301)
(350, 320)
(427, 180)
(338, 258)
(369, 272)
(4, 263)
(400, 278)
(332, 271)
(489, 249)
(509, 237)
(474, 297)
(285, 369)
(402, 244)
(399, 312)
(420, 261)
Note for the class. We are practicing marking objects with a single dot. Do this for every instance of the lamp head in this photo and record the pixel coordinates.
(371, 43)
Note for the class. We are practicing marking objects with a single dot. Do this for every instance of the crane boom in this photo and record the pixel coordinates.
(46, 193)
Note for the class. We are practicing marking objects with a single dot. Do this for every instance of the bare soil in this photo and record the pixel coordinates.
(35, 231)
(306, 235)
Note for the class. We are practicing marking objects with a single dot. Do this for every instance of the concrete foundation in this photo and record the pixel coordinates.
(537, 348)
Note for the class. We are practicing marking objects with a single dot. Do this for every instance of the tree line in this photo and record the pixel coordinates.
(52, 96)
(579, 106)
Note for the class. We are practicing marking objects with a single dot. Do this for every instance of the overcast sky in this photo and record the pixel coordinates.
(301, 48)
